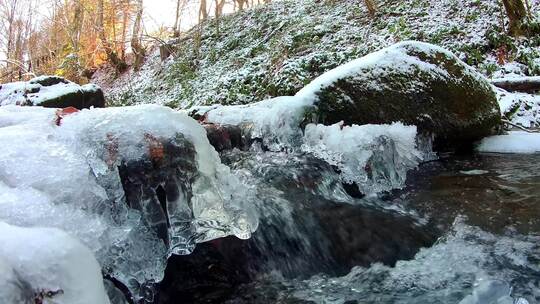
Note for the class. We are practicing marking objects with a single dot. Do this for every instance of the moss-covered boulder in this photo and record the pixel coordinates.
(51, 92)
(412, 82)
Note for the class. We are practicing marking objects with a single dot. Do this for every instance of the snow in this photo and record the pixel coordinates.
(36, 261)
(276, 121)
(54, 91)
(380, 63)
(375, 157)
(520, 108)
(509, 70)
(12, 93)
(513, 142)
(515, 79)
(65, 177)
(21, 93)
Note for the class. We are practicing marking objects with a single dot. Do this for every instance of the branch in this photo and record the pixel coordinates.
(163, 43)
(506, 121)
(520, 84)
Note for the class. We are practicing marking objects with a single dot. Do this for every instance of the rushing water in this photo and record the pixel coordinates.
(465, 229)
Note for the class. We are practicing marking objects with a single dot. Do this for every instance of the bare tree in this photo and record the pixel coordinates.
(125, 21)
(203, 13)
(9, 11)
(180, 5)
(113, 58)
(218, 6)
(241, 4)
(75, 25)
(136, 45)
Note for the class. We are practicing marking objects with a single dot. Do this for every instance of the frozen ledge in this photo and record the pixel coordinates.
(513, 142)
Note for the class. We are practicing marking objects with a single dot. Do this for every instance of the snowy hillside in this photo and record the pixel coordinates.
(275, 50)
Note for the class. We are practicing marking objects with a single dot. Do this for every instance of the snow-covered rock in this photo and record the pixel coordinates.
(46, 265)
(416, 83)
(51, 92)
(134, 184)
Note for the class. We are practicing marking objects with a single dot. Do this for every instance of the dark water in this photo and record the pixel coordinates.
(494, 191)
(465, 228)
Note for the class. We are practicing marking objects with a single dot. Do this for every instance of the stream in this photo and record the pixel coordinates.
(464, 229)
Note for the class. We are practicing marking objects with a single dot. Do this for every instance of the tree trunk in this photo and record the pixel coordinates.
(528, 84)
(113, 25)
(371, 7)
(203, 13)
(125, 19)
(112, 57)
(517, 15)
(136, 45)
(176, 31)
(218, 12)
(76, 26)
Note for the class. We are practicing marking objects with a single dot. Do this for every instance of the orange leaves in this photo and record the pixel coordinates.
(502, 54)
(155, 148)
(61, 113)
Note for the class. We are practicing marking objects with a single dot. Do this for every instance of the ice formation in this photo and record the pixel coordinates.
(375, 157)
(276, 121)
(513, 142)
(68, 177)
(46, 265)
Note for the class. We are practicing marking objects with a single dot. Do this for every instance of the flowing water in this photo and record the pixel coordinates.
(330, 214)
(465, 229)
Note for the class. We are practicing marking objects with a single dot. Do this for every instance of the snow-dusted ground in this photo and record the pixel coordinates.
(275, 50)
(520, 108)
